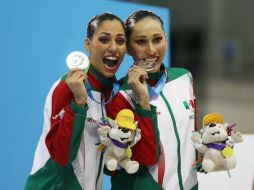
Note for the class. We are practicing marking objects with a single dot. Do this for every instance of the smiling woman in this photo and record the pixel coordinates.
(152, 86)
(146, 41)
(107, 46)
(66, 156)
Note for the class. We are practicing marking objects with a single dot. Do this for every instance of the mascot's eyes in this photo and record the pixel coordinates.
(124, 130)
(212, 125)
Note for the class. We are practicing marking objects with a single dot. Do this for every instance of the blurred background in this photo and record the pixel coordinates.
(212, 38)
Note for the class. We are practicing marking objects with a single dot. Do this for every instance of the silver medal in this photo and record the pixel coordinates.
(146, 65)
(77, 60)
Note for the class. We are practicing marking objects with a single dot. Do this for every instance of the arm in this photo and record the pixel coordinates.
(146, 151)
(136, 81)
(66, 126)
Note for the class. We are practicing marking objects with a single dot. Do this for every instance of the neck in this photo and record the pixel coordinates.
(98, 81)
(154, 77)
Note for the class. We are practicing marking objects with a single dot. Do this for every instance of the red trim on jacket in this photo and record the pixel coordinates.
(58, 139)
(145, 150)
(94, 82)
(161, 165)
(195, 108)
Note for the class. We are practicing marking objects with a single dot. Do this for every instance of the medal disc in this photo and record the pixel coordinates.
(77, 60)
(227, 152)
(146, 65)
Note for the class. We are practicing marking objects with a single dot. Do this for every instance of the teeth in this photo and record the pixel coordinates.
(111, 58)
(151, 60)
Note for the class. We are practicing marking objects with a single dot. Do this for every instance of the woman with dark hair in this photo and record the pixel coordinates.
(170, 93)
(66, 156)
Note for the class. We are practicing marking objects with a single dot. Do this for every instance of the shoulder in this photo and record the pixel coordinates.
(123, 83)
(59, 84)
(176, 73)
(63, 77)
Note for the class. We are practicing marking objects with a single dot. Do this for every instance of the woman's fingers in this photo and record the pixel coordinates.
(77, 75)
(137, 74)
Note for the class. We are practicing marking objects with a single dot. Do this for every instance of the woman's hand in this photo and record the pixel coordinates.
(136, 80)
(75, 81)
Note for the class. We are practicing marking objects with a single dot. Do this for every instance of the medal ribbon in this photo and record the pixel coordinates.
(156, 90)
(113, 93)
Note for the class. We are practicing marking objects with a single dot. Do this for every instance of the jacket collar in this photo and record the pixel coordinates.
(99, 82)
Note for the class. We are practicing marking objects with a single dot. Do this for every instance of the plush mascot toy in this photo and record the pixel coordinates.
(117, 137)
(215, 144)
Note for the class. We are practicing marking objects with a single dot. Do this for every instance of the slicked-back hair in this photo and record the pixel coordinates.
(137, 16)
(97, 20)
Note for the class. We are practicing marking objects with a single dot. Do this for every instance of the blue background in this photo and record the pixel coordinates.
(36, 37)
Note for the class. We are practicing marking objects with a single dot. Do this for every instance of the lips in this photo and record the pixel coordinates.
(110, 63)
